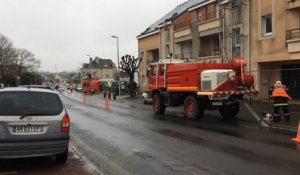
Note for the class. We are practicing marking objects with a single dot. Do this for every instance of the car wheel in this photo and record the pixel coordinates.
(62, 157)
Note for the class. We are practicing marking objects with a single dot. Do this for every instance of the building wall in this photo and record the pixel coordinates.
(265, 54)
(98, 73)
(271, 52)
(146, 45)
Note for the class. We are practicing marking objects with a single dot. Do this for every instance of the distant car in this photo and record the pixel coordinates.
(61, 88)
(78, 88)
(33, 123)
(69, 87)
(146, 99)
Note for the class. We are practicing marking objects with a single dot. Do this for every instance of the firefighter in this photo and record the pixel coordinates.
(280, 98)
(109, 85)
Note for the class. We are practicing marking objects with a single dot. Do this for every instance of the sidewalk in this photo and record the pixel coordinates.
(260, 106)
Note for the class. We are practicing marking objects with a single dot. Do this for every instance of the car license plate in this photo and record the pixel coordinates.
(217, 103)
(27, 129)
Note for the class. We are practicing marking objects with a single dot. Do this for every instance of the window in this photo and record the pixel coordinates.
(236, 43)
(266, 25)
(19, 103)
(153, 70)
(168, 51)
(161, 70)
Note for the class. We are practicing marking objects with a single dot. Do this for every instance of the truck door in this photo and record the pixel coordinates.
(161, 75)
(153, 77)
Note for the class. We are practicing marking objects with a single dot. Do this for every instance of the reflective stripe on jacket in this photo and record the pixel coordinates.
(280, 104)
(279, 91)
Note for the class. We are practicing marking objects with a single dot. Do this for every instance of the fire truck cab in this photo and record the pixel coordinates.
(90, 86)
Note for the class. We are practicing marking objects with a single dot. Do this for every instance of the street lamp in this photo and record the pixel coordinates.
(113, 36)
(118, 73)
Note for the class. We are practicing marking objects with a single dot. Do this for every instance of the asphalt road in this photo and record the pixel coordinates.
(76, 164)
(129, 139)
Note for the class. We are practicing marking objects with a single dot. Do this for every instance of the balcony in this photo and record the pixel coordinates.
(182, 25)
(184, 56)
(211, 52)
(293, 40)
(293, 4)
(209, 16)
(209, 21)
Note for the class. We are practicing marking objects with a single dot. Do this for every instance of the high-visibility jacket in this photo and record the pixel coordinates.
(279, 91)
(123, 87)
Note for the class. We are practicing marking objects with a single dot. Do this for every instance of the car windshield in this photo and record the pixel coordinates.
(21, 103)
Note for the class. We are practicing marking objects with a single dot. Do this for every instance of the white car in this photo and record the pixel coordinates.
(146, 99)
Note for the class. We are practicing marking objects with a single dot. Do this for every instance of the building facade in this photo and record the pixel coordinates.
(275, 44)
(99, 69)
(265, 33)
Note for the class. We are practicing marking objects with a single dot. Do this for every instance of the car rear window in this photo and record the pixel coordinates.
(28, 102)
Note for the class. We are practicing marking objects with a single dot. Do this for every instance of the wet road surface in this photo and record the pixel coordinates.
(76, 164)
(129, 139)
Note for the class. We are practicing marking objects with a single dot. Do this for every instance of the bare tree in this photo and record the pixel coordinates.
(130, 65)
(26, 62)
(7, 55)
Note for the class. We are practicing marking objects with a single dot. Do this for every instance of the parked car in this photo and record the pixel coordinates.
(146, 99)
(78, 88)
(33, 123)
(62, 88)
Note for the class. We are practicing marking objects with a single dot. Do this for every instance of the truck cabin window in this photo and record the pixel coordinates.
(153, 70)
(161, 69)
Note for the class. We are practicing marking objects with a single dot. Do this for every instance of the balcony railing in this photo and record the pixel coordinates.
(209, 16)
(209, 52)
(293, 4)
(184, 56)
(182, 25)
(293, 34)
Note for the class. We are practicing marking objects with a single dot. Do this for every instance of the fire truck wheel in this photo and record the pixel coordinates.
(158, 105)
(229, 111)
(191, 107)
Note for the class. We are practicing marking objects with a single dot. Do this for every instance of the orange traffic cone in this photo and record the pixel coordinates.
(297, 139)
(84, 98)
(106, 104)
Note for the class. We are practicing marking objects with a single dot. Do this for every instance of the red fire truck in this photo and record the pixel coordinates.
(90, 86)
(200, 86)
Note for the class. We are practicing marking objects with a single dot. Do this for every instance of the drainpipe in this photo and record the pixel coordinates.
(249, 45)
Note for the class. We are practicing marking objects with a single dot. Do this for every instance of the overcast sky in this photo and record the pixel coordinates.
(63, 32)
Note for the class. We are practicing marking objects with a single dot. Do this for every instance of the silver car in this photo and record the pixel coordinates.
(33, 122)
